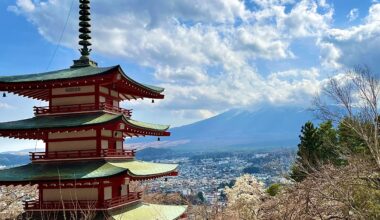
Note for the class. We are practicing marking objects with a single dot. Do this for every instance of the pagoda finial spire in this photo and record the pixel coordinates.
(84, 36)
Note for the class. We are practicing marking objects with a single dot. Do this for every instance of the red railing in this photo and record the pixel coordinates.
(79, 108)
(131, 197)
(81, 154)
(82, 204)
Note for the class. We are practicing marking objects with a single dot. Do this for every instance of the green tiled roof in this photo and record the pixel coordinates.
(74, 120)
(71, 74)
(82, 170)
(148, 125)
(144, 211)
(56, 75)
(154, 88)
(140, 168)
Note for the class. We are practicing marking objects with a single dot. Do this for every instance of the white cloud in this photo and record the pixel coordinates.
(353, 14)
(304, 19)
(356, 45)
(204, 52)
(22, 6)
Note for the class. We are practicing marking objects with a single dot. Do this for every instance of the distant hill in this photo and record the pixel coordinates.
(7, 160)
(268, 127)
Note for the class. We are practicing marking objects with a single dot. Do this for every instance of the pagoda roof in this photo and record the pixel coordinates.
(38, 82)
(81, 121)
(58, 74)
(143, 211)
(83, 170)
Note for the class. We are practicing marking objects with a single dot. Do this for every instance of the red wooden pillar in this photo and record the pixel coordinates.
(97, 96)
(40, 194)
(101, 193)
(98, 141)
(47, 147)
(50, 97)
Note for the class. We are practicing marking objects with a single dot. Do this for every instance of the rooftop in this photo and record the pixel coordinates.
(80, 170)
(75, 121)
(38, 85)
(143, 211)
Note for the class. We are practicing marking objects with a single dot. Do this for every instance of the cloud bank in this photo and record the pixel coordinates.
(208, 54)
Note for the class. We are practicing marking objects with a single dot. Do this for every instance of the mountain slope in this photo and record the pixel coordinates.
(265, 127)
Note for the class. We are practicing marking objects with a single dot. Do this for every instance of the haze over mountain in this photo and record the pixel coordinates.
(267, 127)
(264, 128)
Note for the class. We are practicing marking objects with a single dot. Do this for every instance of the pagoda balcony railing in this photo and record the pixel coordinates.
(83, 204)
(56, 155)
(61, 109)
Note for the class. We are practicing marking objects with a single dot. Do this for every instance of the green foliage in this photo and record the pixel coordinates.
(225, 184)
(274, 189)
(306, 155)
(349, 140)
(252, 169)
(317, 146)
(201, 197)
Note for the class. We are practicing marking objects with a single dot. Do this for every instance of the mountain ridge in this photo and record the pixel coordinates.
(262, 127)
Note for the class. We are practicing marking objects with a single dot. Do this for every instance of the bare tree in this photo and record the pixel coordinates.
(11, 199)
(331, 193)
(352, 99)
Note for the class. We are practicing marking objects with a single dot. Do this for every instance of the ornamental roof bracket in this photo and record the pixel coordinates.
(84, 36)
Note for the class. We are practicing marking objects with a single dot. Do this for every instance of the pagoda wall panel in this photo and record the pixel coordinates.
(72, 145)
(124, 189)
(77, 134)
(106, 133)
(118, 134)
(70, 194)
(75, 100)
(102, 99)
(115, 103)
(104, 144)
(114, 94)
(107, 192)
(73, 90)
(119, 145)
(104, 90)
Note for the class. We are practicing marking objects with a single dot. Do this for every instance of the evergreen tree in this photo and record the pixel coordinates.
(317, 146)
(306, 156)
(349, 140)
(328, 150)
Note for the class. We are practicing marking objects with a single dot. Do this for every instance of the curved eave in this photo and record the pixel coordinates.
(146, 128)
(147, 170)
(144, 211)
(37, 85)
(57, 76)
(145, 90)
(84, 170)
(38, 127)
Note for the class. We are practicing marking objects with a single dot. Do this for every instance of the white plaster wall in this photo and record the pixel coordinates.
(72, 145)
(73, 100)
(77, 134)
(73, 90)
(70, 194)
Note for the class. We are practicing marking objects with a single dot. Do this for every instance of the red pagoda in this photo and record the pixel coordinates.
(84, 166)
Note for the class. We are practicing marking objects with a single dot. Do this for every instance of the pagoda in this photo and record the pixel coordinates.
(84, 167)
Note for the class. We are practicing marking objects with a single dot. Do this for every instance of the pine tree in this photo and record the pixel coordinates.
(306, 156)
(349, 140)
(317, 146)
(328, 151)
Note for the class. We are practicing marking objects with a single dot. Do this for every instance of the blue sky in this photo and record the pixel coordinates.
(211, 56)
